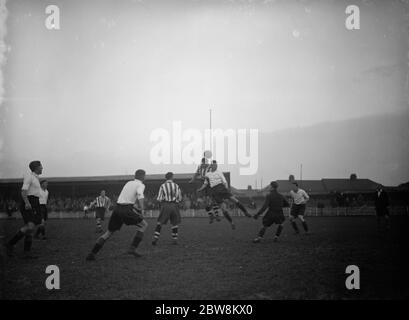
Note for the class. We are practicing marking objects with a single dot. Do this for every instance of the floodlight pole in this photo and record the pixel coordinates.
(211, 132)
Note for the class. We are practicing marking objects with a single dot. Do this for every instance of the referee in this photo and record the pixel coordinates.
(169, 196)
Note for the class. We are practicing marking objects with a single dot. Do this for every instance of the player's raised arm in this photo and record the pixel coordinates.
(306, 196)
(93, 203)
(196, 174)
(205, 184)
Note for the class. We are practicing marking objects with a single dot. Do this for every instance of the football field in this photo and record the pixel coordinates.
(215, 262)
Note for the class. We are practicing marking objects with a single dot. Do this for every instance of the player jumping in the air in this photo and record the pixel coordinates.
(200, 174)
(129, 210)
(101, 204)
(274, 203)
(300, 198)
(220, 192)
(30, 210)
(43, 209)
(169, 197)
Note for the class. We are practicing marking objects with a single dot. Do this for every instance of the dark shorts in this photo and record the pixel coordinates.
(220, 193)
(34, 214)
(44, 211)
(100, 213)
(169, 211)
(382, 212)
(270, 219)
(206, 192)
(297, 210)
(124, 214)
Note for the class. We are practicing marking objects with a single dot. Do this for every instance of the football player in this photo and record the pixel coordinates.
(300, 198)
(129, 210)
(200, 174)
(274, 203)
(219, 192)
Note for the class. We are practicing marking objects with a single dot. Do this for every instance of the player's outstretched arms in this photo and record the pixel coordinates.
(264, 208)
(194, 177)
(306, 196)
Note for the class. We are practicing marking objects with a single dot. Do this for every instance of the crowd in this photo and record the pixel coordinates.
(68, 204)
(190, 201)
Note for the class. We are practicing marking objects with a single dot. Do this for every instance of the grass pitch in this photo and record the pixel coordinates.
(215, 262)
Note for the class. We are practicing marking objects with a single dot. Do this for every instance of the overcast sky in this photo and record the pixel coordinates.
(84, 99)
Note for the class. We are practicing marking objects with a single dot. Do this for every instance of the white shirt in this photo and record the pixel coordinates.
(300, 197)
(31, 184)
(43, 196)
(132, 191)
(215, 178)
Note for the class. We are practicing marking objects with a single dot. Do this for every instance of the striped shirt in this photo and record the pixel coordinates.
(299, 197)
(202, 169)
(214, 178)
(169, 192)
(102, 202)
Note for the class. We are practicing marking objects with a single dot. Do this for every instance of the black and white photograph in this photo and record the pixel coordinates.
(204, 155)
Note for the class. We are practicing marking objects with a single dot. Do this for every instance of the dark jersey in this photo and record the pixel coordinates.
(275, 203)
(381, 199)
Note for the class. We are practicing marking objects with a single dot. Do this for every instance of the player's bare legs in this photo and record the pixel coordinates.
(294, 225)
(41, 231)
(99, 244)
(25, 232)
(156, 235)
(99, 226)
(140, 231)
(175, 229)
(158, 228)
(226, 214)
(304, 223)
(263, 231)
(240, 205)
(209, 210)
(260, 235)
